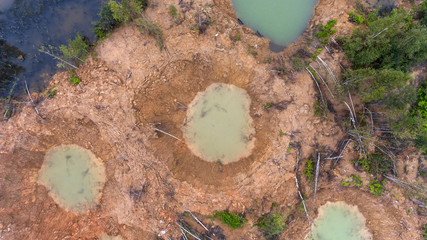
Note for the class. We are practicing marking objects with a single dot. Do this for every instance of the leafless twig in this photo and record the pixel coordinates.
(31, 99)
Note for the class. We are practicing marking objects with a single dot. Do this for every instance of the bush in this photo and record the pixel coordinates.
(173, 12)
(151, 29)
(77, 48)
(359, 19)
(393, 41)
(324, 32)
(376, 187)
(373, 85)
(422, 13)
(271, 225)
(232, 220)
(376, 164)
(309, 170)
(106, 22)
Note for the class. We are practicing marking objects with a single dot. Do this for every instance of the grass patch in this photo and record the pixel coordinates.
(309, 170)
(376, 187)
(325, 31)
(232, 220)
(271, 225)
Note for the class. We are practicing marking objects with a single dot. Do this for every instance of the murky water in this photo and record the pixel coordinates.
(74, 177)
(218, 124)
(281, 21)
(28, 24)
(339, 221)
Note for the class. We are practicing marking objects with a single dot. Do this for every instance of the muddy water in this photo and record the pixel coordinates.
(281, 21)
(339, 221)
(74, 177)
(28, 24)
(218, 124)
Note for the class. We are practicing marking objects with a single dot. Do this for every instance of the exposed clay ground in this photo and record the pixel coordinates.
(152, 178)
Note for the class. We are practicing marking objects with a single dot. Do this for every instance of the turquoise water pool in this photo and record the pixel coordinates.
(339, 221)
(281, 21)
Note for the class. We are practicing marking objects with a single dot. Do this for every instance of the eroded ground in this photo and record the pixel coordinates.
(153, 178)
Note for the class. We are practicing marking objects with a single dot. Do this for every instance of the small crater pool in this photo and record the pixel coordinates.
(218, 127)
(74, 177)
(339, 221)
(281, 21)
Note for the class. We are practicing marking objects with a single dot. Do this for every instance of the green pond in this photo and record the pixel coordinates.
(339, 221)
(218, 125)
(281, 21)
(73, 176)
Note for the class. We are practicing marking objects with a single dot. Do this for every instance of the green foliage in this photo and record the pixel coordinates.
(7, 102)
(357, 181)
(373, 85)
(298, 62)
(9, 67)
(281, 133)
(271, 225)
(325, 31)
(422, 13)
(173, 12)
(232, 220)
(425, 231)
(376, 164)
(376, 187)
(78, 48)
(345, 183)
(106, 22)
(151, 29)
(74, 79)
(359, 19)
(393, 41)
(422, 101)
(268, 105)
(309, 170)
(51, 92)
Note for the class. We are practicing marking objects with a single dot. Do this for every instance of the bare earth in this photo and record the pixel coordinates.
(153, 178)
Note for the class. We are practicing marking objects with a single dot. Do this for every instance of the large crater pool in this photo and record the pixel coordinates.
(74, 177)
(281, 21)
(218, 127)
(339, 221)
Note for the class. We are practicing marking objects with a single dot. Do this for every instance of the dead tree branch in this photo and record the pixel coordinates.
(170, 135)
(31, 99)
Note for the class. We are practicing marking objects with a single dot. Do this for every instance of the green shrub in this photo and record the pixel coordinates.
(345, 183)
(325, 31)
(271, 225)
(376, 187)
(422, 13)
(51, 92)
(393, 41)
(106, 22)
(232, 220)
(359, 19)
(173, 12)
(357, 181)
(376, 164)
(309, 170)
(78, 48)
(151, 29)
(74, 80)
